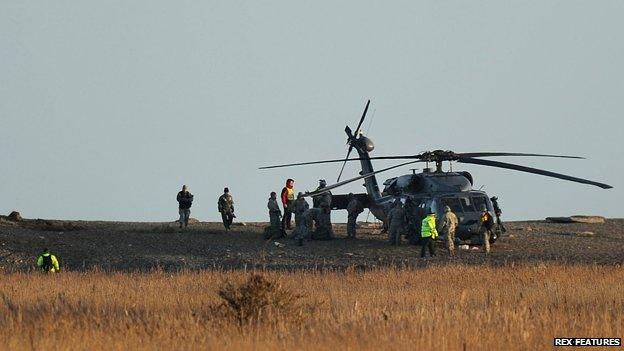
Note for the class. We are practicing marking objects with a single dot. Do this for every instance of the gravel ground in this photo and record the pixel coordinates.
(126, 246)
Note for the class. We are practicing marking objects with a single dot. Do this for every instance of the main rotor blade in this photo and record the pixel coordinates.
(307, 163)
(492, 154)
(344, 163)
(531, 170)
(342, 160)
(362, 119)
(420, 156)
(344, 182)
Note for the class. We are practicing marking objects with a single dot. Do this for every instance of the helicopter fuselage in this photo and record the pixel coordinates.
(435, 190)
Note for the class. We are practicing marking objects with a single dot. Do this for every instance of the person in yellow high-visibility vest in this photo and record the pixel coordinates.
(288, 199)
(428, 232)
(47, 262)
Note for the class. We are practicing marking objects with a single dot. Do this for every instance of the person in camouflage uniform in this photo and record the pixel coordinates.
(486, 225)
(304, 225)
(498, 212)
(225, 205)
(415, 215)
(299, 207)
(396, 222)
(354, 208)
(448, 224)
(274, 230)
(323, 203)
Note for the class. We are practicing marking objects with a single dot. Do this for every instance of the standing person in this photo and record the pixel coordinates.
(487, 223)
(354, 208)
(274, 214)
(288, 198)
(299, 207)
(317, 199)
(324, 230)
(415, 215)
(448, 225)
(185, 200)
(396, 222)
(428, 233)
(226, 207)
(47, 262)
(497, 213)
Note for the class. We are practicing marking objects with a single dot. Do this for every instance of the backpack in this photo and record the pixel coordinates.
(47, 263)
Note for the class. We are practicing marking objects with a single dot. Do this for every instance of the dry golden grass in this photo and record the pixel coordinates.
(445, 308)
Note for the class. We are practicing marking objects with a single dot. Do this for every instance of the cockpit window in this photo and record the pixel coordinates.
(466, 204)
(479, 201)
(453, 203)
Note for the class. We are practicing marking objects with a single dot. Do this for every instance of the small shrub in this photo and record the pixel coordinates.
(257, 300)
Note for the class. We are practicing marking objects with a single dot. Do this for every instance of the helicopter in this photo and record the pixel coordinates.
(431, 189)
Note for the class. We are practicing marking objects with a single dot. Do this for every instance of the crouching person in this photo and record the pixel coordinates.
(47, 262)
(303, 230)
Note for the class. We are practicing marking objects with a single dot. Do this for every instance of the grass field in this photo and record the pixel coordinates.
(448, 308)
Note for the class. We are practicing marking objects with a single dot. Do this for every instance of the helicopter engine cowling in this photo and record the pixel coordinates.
(428, 183)
(366, 144)
(410, 184)
(468, 176)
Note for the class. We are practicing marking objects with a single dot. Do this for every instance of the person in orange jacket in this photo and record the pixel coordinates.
(288, 199)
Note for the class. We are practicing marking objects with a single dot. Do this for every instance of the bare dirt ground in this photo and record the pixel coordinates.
(126, 246)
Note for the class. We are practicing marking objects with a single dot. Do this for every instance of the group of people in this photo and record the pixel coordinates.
(225, 206)
(405, 219)
(409, 219)
(310, 223)
(315, 222)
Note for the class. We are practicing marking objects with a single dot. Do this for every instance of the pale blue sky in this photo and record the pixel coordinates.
(108, 107)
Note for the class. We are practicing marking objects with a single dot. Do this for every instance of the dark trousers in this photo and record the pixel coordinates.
(287, 215)
(427, 242)
(227, 219)
(351, 224)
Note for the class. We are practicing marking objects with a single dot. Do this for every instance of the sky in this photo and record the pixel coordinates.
(108, 107)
